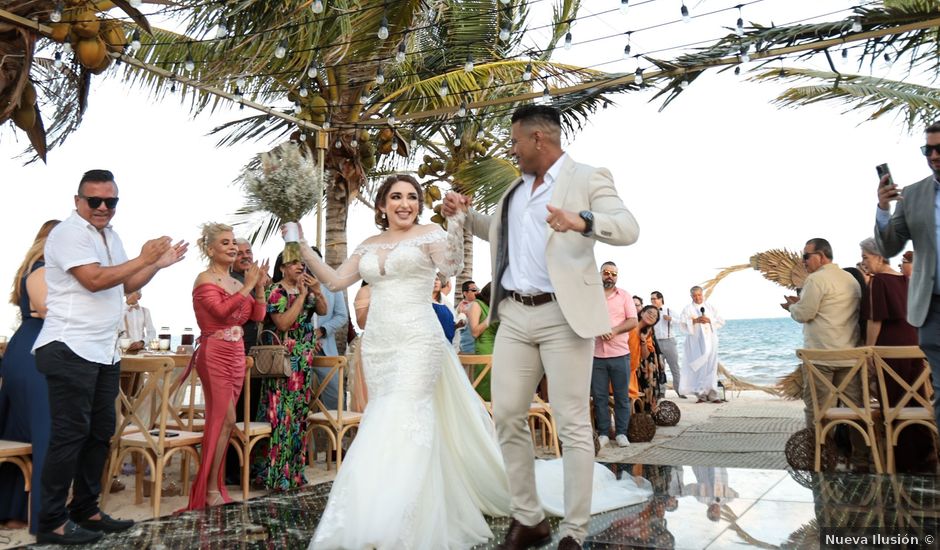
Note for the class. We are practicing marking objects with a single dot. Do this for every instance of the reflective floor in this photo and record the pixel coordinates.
(693, 507)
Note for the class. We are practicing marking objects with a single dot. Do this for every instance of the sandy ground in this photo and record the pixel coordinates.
(694, 416)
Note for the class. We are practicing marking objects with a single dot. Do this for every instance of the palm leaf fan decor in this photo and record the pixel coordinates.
(781, 266)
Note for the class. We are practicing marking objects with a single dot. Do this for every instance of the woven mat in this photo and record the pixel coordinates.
(765, 460)
(767, 409)
(729, 443)
(749, 425)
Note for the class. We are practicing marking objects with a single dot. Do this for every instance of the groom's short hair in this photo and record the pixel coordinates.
(545, 117)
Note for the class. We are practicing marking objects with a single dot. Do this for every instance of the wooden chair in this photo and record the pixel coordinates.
(134, 434)
(827, 412)
(247, 434)
(20, 454)
(913, 407)
(335, 423)
(469, 362)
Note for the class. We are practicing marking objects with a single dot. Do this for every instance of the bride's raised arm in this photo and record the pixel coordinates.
(334, 279)
(447, 253)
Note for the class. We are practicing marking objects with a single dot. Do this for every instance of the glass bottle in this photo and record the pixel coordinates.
(164, 336)
(187, 338)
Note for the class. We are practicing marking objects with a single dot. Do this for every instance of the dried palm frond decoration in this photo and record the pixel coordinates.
(735, 383)
(791, 386)
(781, 266)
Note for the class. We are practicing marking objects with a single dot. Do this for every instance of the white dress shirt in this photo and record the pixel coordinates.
(527, 272)
(138, 326)
(87, 322)
(664, 329)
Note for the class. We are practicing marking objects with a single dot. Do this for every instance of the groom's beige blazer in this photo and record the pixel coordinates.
(572, 267)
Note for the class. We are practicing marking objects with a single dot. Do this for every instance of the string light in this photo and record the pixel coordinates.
(303, 91)
(684, 84)
(624, 6)
(303, 137)
(354, 143)
(317, 6)
(363, 99)
(391, 118)
(383, 28)
(326, 125)
(739, 27)
(504, 32)
(856, 25)
(457, 141)
(136, 3)
(444, 89)
(240, 82)
(173, 88)
(505, 2)
(56, 14)
(745, 57)
(338, 144)
(400, 56)
(58, 60)
(313, 69)
(638, 78)
(845, 54)
(135, 40)
(480, 134)
(468, 66)
(462, 110)
(568, 38)
(190, 63)
(380, 76)
(413, 144)
(281, 50)
(685, 13)
(546, 95)
(221, 30)
(626, 49)
(527, 74)
(67, 47)
(737, 70)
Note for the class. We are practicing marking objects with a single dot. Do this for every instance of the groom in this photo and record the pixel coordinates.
(550, 303)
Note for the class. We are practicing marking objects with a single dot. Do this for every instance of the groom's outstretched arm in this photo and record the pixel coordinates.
(479, 223)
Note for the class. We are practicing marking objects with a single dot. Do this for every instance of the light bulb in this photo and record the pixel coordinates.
(462, 110)
(444, 89)
(56, 14)
(380, 76)
(887, 58)
(173, 88)
(237, 93)
(135, 40)
(312, 70)
(845, 53)
(58, 60)
(856, 25)
(739, 28)
(480, 135)
(638, 79)
(221, 31)
(527, 74)
(303, 91)
(568, 41)
(317, 6)
(624, 6)
(189, 64)
(338, 144)
(383, 28)
(468, 66)
(546, 95)
(744, 55)
(303, 137)
(326, 125)
(400, 56)
(685, 14)
(737, 70)
(413, 144)
(363, 99)
(281, 50)
(136, 3)
(354, 143)
(457, 141)
(67, 48)
(392, 120)
(240, 82)
(626, 51)
(684, 84)
(297, 108)
(504, 33)
(505, 2)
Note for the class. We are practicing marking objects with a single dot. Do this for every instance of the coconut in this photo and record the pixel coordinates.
(29, 94)
(113, 35)
(25, 116)
(318, 105)
(91, 51)
(60, 32)
(101, 67)
(85, 23)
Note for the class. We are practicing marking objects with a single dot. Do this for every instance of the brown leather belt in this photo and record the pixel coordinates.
(532, 299)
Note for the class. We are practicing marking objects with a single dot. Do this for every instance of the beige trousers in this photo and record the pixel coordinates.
(532, 341)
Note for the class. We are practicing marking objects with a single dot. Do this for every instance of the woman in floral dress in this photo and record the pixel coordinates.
(291, 304)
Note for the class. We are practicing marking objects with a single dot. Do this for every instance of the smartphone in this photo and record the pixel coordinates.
(883, 171)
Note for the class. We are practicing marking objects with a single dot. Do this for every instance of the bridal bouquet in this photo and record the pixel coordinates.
(285, 182)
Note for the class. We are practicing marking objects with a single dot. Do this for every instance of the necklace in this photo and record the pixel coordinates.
(216, 276)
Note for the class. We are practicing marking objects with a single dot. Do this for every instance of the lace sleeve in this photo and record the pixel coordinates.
(446, 252)
(334, 279)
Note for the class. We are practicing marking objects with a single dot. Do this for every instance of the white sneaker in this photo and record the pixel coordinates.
(623, 441)
(603, 440)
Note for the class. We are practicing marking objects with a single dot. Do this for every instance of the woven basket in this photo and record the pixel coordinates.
(667, 414)
(800, 451)
(642, 427)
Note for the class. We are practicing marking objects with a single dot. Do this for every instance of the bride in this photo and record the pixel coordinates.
(425, 465)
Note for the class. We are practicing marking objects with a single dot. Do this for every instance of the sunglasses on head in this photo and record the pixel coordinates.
(95, 202)
(926, 149)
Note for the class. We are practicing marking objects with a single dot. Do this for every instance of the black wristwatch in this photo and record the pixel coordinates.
(588, 218)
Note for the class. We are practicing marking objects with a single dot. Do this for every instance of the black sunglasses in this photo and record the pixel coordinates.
(95, 202)
(473, 290)
(926, 149)
(806, 255)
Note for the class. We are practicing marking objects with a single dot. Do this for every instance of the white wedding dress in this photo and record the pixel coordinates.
(425, 465)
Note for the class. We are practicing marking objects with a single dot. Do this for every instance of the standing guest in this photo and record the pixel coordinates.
(643, 352)
(638, 302)
(612, 361)
(484, 336)
(87, 275)
(24, 397)
(828, 308)
(469, 289)
(138, 326)
(700, 321)
(907, 264)
(222, 305)
(292, 303)
(443, 312)
(885, 311)
(666, 337)
(915, 219)
(547, 296)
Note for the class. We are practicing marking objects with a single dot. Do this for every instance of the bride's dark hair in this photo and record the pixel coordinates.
(381, 221)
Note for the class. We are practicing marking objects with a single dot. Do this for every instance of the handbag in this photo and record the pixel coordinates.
(271, 361)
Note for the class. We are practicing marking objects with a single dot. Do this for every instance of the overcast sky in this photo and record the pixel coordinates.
(717, 176)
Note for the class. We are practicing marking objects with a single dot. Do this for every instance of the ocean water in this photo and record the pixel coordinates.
(758, 350)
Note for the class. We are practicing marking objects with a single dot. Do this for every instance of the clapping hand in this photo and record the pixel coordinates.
(173, 254)
(154, 249)
(263, 277)
(790, 300)
(253, 275)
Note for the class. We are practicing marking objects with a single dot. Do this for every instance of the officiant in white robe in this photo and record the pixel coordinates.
(700, 322)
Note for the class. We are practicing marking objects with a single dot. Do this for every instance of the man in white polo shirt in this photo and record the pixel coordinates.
(87, 274)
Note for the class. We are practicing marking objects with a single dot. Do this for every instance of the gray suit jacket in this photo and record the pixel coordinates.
(570, 255)
(914, 220)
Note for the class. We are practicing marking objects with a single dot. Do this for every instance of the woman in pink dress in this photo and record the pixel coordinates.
(222, 305)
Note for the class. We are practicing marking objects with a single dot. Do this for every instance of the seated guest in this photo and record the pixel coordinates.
(444, 313)
(222, 305)
(24, 398)
(886, 314)
(484, 334)
(292, 302)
